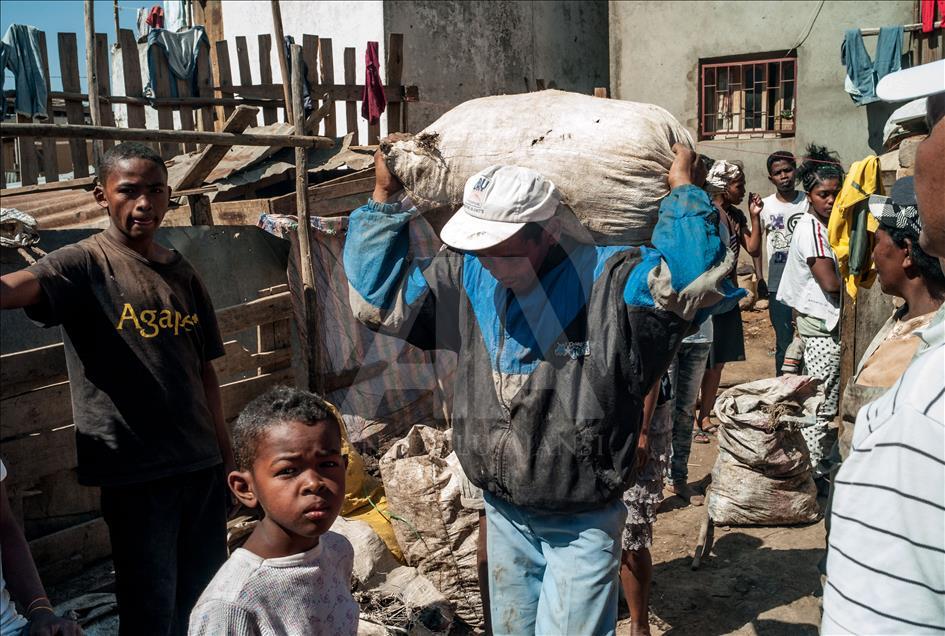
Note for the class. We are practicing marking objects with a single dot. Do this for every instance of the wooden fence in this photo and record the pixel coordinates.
(61, 517)
(207, 106)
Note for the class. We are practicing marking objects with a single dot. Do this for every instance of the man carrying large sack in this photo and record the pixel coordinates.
(558, 343)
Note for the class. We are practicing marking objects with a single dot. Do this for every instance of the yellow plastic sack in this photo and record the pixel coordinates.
(365, 500)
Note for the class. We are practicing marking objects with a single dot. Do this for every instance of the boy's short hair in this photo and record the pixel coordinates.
(277, 405)
(781, 155)
(123, 151)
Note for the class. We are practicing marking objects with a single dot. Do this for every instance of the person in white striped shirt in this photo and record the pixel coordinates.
(886, 552)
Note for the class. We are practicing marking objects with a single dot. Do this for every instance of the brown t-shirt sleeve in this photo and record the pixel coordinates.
(63, 277)
(212, 340)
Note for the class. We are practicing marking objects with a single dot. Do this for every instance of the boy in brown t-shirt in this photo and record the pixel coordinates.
(140, 332)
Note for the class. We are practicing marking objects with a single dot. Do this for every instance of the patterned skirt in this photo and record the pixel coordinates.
(644, 497)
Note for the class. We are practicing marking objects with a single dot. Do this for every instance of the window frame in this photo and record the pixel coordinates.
(773, 126)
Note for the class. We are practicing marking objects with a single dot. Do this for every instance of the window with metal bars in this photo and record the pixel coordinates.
(748, 98)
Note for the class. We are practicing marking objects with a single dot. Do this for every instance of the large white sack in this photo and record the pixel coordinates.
(608, 157)
(762, 475)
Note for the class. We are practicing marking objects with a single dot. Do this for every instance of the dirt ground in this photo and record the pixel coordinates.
(760, 580)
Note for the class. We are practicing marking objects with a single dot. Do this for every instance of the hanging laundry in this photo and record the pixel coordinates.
(851, 225)
(181, 50)
(307, 102)
(155, 18)
(19, 52)
(862, 72)
(373, 101)
(928, 14)
(175, 15)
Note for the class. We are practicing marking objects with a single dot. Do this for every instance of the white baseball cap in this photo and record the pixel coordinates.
(497, 203)
(912, 83)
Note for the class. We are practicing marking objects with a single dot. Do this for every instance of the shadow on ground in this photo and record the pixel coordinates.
(741, 580)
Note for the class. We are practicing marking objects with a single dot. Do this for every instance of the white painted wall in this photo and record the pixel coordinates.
(346, 23)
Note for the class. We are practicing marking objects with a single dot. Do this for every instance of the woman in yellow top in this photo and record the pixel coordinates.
(905, 271)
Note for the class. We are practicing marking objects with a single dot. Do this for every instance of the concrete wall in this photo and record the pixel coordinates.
(655, 48)
(455, 51)
(346, 23)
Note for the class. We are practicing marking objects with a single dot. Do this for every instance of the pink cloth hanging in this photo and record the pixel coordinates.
(373, 101)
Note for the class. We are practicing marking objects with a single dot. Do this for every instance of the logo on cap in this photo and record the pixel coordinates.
(474, 200)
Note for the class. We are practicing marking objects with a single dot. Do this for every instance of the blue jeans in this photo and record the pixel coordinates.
(686, 372)
(780, 315)
(553, 573)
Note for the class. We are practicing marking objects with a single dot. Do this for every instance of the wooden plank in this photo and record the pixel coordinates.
(104, 73)
(66, 131)
(91, 78)
(131, 69)
(283, 61)
(50, 160)
(186, 113)
(29, 162)
(69, 69)
(212, 154)
(239, 360)
(237, 318)
(31, 369)
(68, 552)
(310, 57)
(274, 337)
(327, 71)
(242, 60)
(341, 92)
(225, 79)
(351, 107)
(327, 201)
(270, 115)
(394, 70)
(244, 212)
(236, 395)
(85, 183)
(161, 83)
(35, 411)
(35, 456)
(204, 88)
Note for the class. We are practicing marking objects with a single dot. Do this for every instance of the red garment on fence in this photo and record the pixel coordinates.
(155, 17)
(928, 14)
(373, 101)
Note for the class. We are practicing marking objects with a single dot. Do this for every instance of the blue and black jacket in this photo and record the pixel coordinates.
(550, 383)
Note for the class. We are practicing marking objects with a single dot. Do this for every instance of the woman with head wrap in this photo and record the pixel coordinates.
(810, 285)
(725, 182)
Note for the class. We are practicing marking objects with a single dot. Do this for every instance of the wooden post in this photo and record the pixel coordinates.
(50, 160)
(117, 28)
(351, 107)
(224, 79)
(69, 68)
(270, 115)
(283, 62)
(242, 62)
(600, 91)
(326, 67)
(305, 249)
(91, 73)
(394, 71)
(131, 69)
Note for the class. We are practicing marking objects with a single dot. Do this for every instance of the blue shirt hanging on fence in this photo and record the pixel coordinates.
(181, 50)
(863, 73)
(19, 52)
